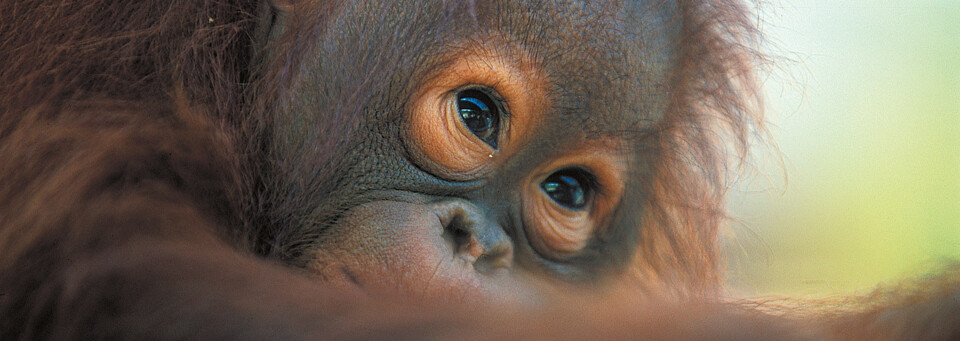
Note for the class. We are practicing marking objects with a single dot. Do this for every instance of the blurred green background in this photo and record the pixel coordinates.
(864, 105)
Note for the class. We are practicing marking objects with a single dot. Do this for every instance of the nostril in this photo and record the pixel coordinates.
(475, 238)
(465, 243)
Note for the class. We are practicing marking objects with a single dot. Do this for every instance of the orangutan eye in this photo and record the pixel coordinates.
(480, 114)
(570, 188)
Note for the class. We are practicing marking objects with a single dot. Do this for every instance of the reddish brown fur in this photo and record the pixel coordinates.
(127, 134)
(714, 101)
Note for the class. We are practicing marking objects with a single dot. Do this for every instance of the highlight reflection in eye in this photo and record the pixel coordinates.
(570, 188)
(480, 114)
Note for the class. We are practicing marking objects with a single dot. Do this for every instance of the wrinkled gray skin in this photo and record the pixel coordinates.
(393, 223)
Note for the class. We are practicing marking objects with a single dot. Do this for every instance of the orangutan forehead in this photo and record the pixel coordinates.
(606, 64)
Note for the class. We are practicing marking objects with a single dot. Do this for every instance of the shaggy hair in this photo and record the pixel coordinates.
(122, 123)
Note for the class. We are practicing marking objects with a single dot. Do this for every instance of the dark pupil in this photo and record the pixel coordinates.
(479, 113)
(566, 188)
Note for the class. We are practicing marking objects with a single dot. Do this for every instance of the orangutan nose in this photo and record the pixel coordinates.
(476, 238)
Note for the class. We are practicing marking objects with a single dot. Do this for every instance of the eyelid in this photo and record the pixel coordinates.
(520, 88)
(591, 186)
(502, 104)
(596, 187)
(503, 107)
(558, 233)
(502, 122)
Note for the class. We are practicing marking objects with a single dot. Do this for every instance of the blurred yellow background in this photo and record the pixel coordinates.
(863, 102)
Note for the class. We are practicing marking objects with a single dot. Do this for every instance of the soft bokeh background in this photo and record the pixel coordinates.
(864, 106)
